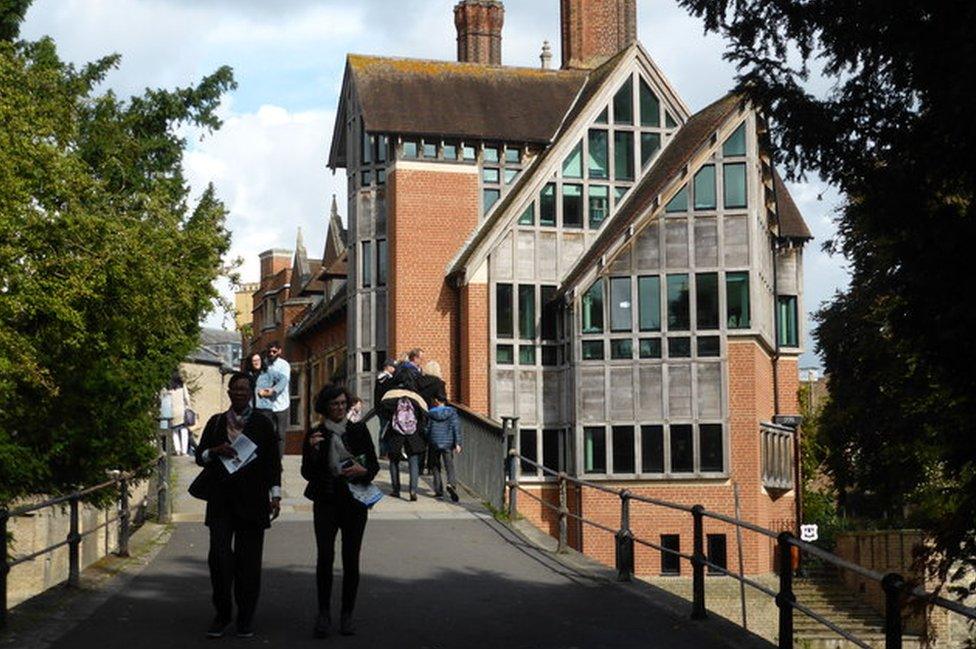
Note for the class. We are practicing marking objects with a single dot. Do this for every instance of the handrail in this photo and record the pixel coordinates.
(76, 535)
(893, 585)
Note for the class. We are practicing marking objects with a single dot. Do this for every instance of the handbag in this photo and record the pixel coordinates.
(202, 485)
(190, 417)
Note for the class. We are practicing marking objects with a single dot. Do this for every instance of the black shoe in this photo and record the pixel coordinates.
(218, 627)
(346, 627)
(245, 630)
(395, 493)
(454, 496)
(438, 494)
(413, 498)
(323, 624)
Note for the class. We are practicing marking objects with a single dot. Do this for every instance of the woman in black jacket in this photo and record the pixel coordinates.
(240, 503)
(335, 454)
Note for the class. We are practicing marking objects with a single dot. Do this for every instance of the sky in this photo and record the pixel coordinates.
(268, 161)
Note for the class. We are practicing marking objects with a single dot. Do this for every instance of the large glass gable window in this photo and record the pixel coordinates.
(650, 107)
(737, 300)
(599, 205)
(649, 300)
(599, 154)
(623, 155)
(705, 188)
(573, 165)
(572, 206)
(679, 317)
(593, 309)
(734, 180)
(547, 205)
(735, 145)
(620, 305)
(623, 104)
(679, 203)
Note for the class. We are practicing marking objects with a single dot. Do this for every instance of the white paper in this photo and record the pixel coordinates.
(246, 452)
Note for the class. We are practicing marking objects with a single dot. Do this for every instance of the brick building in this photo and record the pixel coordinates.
(301, 303)
(581, 251)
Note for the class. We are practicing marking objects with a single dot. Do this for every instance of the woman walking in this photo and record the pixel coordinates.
(180, 406)
(241, 482)
(337, 457)
(262, 378)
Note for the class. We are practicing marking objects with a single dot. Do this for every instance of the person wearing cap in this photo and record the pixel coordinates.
(329, 478)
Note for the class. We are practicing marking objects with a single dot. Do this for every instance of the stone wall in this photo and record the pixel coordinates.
(37, 530)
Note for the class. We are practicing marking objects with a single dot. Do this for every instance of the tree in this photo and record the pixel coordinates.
(894, 132)
(106, 263)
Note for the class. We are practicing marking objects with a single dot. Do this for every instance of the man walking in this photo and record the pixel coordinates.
(278, 393)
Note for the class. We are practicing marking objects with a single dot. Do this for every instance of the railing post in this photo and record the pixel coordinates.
(4, 567)
(563, 513)
(698, 565)
(625, 540)
(123, 517)
(512, 484)
(892, 584)
(785, 597)
(162, 479)
(74, 546)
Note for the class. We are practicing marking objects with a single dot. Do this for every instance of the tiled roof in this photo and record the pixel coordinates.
(458, 100)
(321, 312)
(791, 223)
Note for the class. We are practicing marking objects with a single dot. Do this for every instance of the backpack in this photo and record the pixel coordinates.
(404, 418)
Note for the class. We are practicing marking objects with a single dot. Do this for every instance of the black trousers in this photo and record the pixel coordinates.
(330, 517)
(235, 567)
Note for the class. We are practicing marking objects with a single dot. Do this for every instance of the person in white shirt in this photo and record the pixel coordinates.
(278, 393)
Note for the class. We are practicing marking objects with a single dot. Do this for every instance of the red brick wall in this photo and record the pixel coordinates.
(431, 215)
(474, 347)
(595, 30)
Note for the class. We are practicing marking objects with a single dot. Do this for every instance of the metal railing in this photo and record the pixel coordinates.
(119, 480)
(897, 590)
(482, 438)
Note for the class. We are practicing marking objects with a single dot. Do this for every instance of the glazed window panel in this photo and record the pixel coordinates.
(382, 144)
(594, 449)
(505, 354)
(705, 188)
(551, 451)
(511, 175)
(737, 300)
(706, 300)
(734, 182)
(716, 553)
(710, 447)
(679, 347)
(650, 106)
(670, 563)
(367, 264)
(490, 175)
(592, 350)
(649, 303)
(623, 104)
(621, 349)
(504, 311)
(592, 311)
(469, 153)
(366, 148)
(650, 144)
(621, 311)
(381, 262)
(526, 314)
(735, 145)
(650, 348)
(599, 154)
(599, 197)
(786, 320)
(526, 354)
(450, 151)
(679, 203)
(528, 215)
(652, 449)
(679, 317)
(708, 346)
(528, 450)
(513, 155)
(430, 150)
(550, 312)
(490, 154)
(573, 164)
(669, 120)
(623, 449)
(547, 205)
(623, 155)
(572, 206)
(490, 197)
(682, 448)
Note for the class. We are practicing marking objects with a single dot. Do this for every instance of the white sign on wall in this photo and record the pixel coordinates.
(809, 533)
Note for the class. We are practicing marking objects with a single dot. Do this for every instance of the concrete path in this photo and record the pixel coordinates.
(435, 575)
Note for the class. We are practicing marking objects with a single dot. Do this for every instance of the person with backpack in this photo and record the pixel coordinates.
(444, 437)
(403, 439)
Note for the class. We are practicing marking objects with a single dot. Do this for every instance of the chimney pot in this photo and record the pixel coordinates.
(479, 31)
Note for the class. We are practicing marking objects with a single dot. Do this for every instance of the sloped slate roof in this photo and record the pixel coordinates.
(689, 139)
(459, 100)
(320, 313)
(791, 223)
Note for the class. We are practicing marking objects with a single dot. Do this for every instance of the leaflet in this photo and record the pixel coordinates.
(246, 452)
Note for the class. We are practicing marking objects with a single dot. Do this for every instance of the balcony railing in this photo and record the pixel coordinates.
(777, 456)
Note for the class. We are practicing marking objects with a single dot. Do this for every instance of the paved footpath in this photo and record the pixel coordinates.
(435, 575)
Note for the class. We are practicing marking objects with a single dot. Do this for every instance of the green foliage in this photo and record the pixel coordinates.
(106, 264)
(895, 133)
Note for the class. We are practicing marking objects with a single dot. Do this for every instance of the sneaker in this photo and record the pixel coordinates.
(453, 492)
(245, 630)
(346, 627)
(218, 627)
(323, 624)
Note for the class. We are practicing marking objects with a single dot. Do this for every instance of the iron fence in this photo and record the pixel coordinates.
(897, 590)
(483, 439)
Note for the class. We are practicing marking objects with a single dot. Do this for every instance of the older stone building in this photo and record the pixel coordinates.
(580, 250)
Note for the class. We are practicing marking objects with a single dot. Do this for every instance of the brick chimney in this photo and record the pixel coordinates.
(594, 30)
(479, 27)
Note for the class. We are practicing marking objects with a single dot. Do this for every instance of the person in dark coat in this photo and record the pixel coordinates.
(334, 507)
(240, 504)
(399, 446)
(444, 439)
(429, 385)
